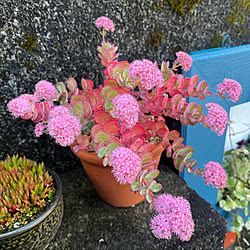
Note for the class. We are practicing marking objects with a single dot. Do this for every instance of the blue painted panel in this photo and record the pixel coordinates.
(213, 66)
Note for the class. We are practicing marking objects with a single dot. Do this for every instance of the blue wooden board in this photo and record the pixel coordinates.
(213, 66)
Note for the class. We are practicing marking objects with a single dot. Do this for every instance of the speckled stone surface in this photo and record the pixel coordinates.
(90, 223)
(57, 39)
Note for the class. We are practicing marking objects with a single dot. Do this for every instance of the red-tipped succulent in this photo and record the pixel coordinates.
(24, 188)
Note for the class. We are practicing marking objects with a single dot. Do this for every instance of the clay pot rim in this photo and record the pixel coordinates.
(93, 159)
(50, 208)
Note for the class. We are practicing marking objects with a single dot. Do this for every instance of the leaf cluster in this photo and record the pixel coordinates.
(236, 196)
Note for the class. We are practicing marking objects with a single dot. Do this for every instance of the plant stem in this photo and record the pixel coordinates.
(103, 33)
(194, 170)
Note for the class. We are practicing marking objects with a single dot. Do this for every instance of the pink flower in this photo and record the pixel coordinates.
(183, 226)
(125, 165)
(39, 129)
(64, 128)
(184, 59)
(45, 90)
(27, 97)
(58, 110)
(176, 217)
(163, 203)
(230, 87)
(216, 118)
(126, 109)
(106, 23)
(19, 106)
(147, 72)
(161, 226)
(182, 222)
(215, 175)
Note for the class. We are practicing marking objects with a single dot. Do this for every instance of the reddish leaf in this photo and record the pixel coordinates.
(136, 144)
(165, 141)
(102, 117)
(29, 115)
(87, 85)
(194, 80)
(111, 82)
(183, 151)
(111, 128)
(77, 98)
(47, 108)
(115, 140)
(136, 131)
(98, 93)
(169, 151)
(158, 100)
(149, 147)
(150, 165)
(161, 132)
(87, 110)
(95, 129)
(173, 135)
(160, 124)
(82, 147)
(72, 85)
(92, 98)
(83, 139)
(148, 124)
(177, 143)
(146, 158)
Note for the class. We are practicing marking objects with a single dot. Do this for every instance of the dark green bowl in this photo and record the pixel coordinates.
(38, 233)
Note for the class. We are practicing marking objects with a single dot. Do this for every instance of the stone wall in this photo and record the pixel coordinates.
(57, 39)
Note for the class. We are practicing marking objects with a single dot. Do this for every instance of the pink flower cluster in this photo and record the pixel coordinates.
(215, 175)
(20, 105)
(45, 90)
(125, 165)
(174, 216)
(184, 59)
(39, 129)
(230, 87)
(58, 110)
(106, 23)
(217, 118)
(64, 128)
(148, 73)
(126, 109)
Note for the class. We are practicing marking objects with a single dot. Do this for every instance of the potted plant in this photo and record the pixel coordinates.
(120, 128)
(234, 198)
(31, 204)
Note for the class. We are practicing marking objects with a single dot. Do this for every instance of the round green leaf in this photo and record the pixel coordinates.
(102, 137)
(135, 186)
(102, 152)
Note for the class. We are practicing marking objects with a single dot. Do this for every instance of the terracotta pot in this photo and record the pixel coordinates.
(104, 182)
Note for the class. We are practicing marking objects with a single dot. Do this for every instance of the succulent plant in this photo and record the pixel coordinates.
(235, 197)
(124, 119)
(24, 188)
